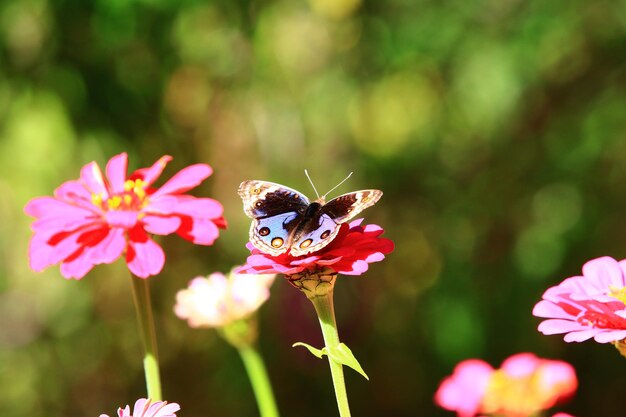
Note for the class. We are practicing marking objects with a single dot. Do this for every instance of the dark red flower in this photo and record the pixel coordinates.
(350, 253)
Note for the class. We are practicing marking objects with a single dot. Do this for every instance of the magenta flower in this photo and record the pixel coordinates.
(591, 305)
(522, 387)
(94, 220)
(350, 253)
(146, 408)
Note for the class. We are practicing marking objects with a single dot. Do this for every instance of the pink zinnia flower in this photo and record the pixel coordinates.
(349, 253)
(146, 408)
(94, 220)
(591, 305)
(218, 300)
(523, 386)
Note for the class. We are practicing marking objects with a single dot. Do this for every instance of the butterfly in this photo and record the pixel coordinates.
(285, 221)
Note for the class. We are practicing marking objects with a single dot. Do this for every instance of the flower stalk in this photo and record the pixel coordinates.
(260, 381)
(318, 288)
(145, 319)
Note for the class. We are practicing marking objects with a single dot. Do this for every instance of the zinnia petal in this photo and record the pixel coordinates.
(149, 175)
(186, 179)
(92, 177)
(143, 256)
(160, 225)
(116, 172)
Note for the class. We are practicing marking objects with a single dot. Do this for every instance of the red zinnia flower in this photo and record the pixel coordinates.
(349, 253)
(94, 220)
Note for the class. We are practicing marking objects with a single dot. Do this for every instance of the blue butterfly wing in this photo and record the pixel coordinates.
(314, 235)
(273, 234)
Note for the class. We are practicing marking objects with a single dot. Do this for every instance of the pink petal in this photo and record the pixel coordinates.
(144, 257)
(580, 336)
(124, 413)
(549, 309)
(91, 176)
(184, 180)
(116, 172)
(74, 192)
(521, 364)
(199, 231)
(558, 326)
(610, 336)
(199, 207)
(463, 391)
(149, 175)
(110, 248)
(41, 255)
(169, 410)
(159, 225)
(122, 218)
(53, 225)
(76, 268)
(41, 207)
(140, 407)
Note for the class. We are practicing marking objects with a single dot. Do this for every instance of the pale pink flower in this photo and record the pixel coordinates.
(146, 408)
(523, 386)
(218, 300)
(95, 220)
(587, 306)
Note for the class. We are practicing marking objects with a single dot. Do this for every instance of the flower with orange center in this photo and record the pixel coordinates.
(522, 387)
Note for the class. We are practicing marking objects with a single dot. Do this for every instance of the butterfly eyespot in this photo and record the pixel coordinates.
(258, 204)
(277, 242)
(264, 231)
(256, 191)
(325, 234)
(306, 243)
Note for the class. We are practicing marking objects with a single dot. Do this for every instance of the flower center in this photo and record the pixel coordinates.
(133, 198)
(618, 293)
(516, 396)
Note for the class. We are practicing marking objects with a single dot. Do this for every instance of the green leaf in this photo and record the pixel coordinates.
(340, 354)
(343, 355)
(317, 352)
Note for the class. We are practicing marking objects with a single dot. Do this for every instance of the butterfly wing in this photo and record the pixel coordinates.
(276, 211)
(265, 199)
(346, 206)
(316, 233)
(273, 234)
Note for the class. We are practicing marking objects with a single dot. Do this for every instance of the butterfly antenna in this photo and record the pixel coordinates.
(332, 189)
(312, 185)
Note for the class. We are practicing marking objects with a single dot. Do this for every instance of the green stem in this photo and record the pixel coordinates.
(326, 314)
(259, 380)
(143, 307)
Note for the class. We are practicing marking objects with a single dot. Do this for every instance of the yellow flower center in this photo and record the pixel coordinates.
(516, 396)
(133, 197)
(618, 293)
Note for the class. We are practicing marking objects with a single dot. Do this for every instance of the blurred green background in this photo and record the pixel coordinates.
(495, 128)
